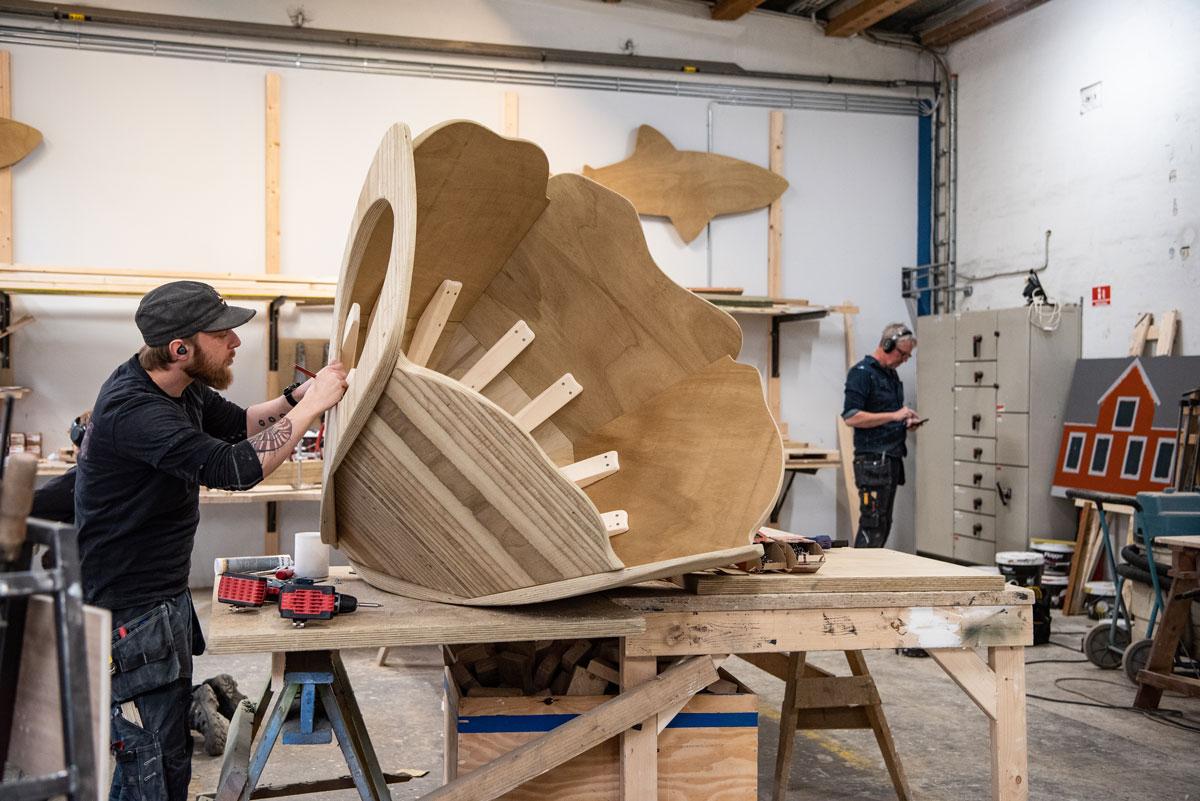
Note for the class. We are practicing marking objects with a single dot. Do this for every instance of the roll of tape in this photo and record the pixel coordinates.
(312, 555)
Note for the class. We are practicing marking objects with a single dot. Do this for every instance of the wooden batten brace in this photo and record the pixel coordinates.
(973, 676)
(588, 471)
(498, 357)
(553, 398)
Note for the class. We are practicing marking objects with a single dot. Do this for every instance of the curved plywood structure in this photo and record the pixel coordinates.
(513, 325)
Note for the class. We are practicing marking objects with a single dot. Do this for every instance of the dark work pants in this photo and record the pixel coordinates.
(877, 476)
(152, 659)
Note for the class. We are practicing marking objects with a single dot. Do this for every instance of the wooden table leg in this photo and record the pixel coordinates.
(883, 734)
(787, 726)
(639, 746)
(1010, 758)
(1176, 615)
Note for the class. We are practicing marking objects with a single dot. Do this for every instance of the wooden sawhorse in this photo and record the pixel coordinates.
(1158, 674)
(327, 709)
(814, 698)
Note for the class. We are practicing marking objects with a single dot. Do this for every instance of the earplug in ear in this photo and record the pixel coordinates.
(181, 350)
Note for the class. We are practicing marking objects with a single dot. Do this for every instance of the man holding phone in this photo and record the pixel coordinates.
(874, 408)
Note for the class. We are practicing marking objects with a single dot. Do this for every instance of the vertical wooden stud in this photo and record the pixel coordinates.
(1010, 759)
(272, 175)
(775, 213)
(271, 262)
(788, 716)
(774, 256)
(846, 435)
(6, 198)
(639, 746)
(512, 106)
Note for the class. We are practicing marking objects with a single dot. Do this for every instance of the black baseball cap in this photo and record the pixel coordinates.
(182, 308)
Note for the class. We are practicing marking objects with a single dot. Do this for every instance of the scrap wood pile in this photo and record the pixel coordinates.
(544, 667)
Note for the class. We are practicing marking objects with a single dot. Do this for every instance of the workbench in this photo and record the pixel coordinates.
(861, 600)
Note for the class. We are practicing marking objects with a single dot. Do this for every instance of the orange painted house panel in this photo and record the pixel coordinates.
(1120, 424)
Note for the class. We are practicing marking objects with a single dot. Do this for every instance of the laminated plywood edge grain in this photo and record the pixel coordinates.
(570, 587)
(375, 274)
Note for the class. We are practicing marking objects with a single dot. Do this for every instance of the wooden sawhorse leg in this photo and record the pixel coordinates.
(319, 680)
(816, 699)
(1158, 674)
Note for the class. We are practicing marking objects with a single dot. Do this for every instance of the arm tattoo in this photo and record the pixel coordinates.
(273, 438)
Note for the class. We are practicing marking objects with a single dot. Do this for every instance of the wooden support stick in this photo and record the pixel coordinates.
(512, 105)
(615, 522)
(6, 196)
(498, 357)
(17, 325)
(433, 322)
(553, 398)
(589, 471)
(1165, 341)
(581, 734)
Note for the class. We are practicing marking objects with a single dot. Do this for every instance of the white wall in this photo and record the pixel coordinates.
(1119, 185)
(158, 163)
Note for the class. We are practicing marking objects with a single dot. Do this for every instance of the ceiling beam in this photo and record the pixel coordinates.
(983, 15)
(733, 9)
(862, 16)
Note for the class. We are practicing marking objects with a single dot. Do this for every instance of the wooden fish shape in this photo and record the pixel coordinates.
(687, 186)
(17, 140)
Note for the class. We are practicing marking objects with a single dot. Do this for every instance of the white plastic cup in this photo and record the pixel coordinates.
(312, 555)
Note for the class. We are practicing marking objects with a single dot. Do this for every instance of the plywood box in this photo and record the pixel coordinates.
(709, 752)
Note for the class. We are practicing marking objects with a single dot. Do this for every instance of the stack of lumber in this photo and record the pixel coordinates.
(545, 667)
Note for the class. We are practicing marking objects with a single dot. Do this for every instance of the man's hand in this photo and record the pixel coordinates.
(325, 390)
(905, 415)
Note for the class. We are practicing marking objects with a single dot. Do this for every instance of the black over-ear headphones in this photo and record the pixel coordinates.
(889, 344)
(181, 350)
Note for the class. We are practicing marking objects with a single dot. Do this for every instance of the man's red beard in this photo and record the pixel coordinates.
(208, 372)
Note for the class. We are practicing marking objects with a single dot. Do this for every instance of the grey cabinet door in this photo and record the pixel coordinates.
(975, 411)
(1012, 509)
(1012, 439)
(975, 336)
(1012, 360)
(933, 443)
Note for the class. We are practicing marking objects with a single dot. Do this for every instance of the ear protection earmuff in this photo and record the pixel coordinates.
(78, 429)
(889, 344)
(181, 350)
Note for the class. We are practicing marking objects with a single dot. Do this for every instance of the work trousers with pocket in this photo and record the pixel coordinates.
(152, 647)
(877, 475)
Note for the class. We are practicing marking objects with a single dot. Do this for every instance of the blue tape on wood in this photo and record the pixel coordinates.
(504, 724)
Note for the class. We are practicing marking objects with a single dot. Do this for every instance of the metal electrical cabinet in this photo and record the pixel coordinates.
(993, 387)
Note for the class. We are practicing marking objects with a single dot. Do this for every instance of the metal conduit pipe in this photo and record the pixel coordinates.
(90, 15)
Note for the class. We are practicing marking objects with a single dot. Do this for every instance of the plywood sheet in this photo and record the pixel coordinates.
(701, 463)
(37, 747)
(856, 570)
(713, 764)
(687, 186)
(405, 621)
(17, 140)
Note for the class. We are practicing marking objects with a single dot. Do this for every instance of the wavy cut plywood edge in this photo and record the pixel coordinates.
(568, 588)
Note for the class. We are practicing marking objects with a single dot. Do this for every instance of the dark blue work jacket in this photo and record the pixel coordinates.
(871, 387)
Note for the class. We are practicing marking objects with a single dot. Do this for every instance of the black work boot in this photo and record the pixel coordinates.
(204, 717)
(228, 695)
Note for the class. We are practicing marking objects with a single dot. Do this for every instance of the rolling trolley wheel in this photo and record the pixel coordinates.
(1099, 651)
(1135, 658)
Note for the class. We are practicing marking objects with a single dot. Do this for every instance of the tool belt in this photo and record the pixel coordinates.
(874, 470)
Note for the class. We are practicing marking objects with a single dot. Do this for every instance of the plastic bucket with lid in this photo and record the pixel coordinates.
(1020, 567)
(1099, 597)
(1055, 586)
(1057, 554)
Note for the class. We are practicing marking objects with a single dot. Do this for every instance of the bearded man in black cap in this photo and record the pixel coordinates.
(158, 431)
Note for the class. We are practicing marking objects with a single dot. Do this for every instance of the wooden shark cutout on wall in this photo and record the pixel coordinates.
(688, 186)
(17, 140)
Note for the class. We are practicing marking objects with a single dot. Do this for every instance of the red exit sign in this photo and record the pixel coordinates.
(1102, 295)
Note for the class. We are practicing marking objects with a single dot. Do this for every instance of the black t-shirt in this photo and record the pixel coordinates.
(137, 492)
(871, 387)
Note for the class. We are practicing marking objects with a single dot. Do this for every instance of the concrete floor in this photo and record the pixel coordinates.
(1075, 752)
